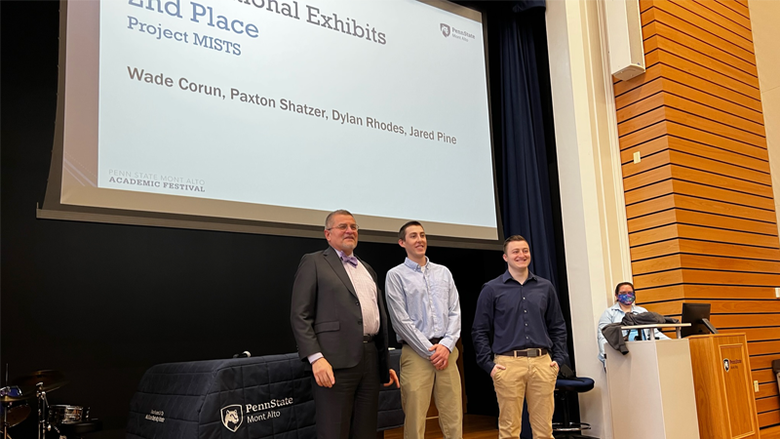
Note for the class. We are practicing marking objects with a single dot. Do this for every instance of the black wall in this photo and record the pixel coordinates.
(102, 303)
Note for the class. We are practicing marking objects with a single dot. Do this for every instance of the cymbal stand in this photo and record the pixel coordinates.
(5, 409)
(5, 423)
(43, 405)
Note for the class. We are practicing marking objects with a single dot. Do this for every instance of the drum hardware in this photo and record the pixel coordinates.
(42, 381)
(14, 408)
(62, 416)
(65, 420)
(67, 414)
(69, 420)
(43, 405)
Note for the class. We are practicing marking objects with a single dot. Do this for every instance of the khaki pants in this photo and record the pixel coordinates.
(418, 380)
(529, 378)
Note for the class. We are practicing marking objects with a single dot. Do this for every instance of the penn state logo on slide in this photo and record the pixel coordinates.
(445, 29)
(726, 364)
(232, 416)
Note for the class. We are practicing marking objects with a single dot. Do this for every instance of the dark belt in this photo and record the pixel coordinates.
(530, 352)
(433, 341)
(368, 338)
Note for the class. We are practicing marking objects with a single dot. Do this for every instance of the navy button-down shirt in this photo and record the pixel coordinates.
(518, 316)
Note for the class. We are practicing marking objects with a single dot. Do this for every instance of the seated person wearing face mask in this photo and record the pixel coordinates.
(625, 298)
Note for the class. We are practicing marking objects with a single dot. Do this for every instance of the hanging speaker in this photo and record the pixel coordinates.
(624, 36)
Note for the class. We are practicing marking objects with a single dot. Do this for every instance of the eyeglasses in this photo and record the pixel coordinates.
(343, 227)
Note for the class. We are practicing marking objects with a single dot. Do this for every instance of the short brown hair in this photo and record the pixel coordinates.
(334, 213)
(402, 230)
(512, 239)
(622, 284)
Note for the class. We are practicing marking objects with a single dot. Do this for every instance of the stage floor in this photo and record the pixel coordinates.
(474, 427)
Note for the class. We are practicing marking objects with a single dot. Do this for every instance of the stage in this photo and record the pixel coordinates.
(474, 427)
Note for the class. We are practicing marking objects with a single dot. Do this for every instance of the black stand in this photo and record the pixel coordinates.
(43, 403)
(709, 326)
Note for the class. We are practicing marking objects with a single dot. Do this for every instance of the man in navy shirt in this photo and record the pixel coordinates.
(521, 313)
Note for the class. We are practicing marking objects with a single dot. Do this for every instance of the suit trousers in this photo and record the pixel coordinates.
(418, 380)
(348, 410)
(530, 378)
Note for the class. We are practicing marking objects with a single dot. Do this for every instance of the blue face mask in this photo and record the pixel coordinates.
(627, 298)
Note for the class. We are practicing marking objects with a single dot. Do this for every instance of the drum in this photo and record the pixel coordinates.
(60, 414)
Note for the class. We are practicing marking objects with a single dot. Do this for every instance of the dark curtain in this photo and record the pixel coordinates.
(526, 196)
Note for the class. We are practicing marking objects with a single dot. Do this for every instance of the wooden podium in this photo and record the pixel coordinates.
(725, 401)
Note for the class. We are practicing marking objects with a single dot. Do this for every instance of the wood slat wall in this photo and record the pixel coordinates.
(701, 219)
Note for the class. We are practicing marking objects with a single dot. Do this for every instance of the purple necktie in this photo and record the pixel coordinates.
(350, 259)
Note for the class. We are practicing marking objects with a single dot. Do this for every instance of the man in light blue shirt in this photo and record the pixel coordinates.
(425, 310)
(624, 303)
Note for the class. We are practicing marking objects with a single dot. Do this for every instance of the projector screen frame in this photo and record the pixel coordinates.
(52, 209)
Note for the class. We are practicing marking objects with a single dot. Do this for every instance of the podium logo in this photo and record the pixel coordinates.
(445, 29)
(232, 416)
(726, 364)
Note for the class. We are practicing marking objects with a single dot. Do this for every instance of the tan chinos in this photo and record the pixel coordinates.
(529, 378)
(419, 379)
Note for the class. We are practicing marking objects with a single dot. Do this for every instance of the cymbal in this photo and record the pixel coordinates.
(7, 398)
(46, 380)
(16, 414)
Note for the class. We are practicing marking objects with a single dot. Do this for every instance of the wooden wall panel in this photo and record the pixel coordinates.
(700, 208)
(701, 218)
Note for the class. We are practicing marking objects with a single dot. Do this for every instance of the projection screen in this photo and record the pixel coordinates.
(264, 115)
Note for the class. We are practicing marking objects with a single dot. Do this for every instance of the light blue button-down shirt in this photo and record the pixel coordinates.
(614, 314)
(423, 304)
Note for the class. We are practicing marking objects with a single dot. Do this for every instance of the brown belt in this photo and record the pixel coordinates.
(368, 338)
(530, 352)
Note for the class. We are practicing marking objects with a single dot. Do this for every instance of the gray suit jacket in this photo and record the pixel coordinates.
(325, 314)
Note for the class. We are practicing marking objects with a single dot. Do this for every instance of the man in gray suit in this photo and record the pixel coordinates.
(340, 325)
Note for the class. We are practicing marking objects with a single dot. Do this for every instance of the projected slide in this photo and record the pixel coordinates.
(281, 110)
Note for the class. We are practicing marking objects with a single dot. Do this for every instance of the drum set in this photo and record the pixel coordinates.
(63, 420)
